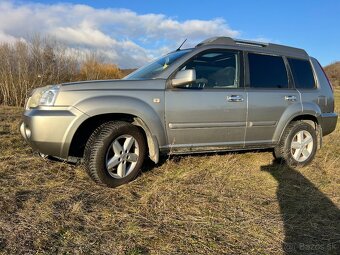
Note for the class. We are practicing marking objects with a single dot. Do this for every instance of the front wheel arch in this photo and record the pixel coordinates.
(87, 127)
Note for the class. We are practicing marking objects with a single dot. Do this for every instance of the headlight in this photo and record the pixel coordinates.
(49, 95)
(45, 96)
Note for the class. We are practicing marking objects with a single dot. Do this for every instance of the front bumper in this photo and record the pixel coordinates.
(49, 130)
(328, 122)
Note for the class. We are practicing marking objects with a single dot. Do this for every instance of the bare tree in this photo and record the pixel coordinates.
(44, 61)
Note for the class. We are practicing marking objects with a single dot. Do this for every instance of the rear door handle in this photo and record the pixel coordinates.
(290, 98)
(235, 98)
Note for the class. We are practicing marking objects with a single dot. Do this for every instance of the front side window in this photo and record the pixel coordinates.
(155, 68)
(214, 69)
(302, 73)
(267, 71)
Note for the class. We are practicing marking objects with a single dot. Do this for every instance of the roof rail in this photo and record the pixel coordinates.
(217, 40)
(251, 43)
(269, 47)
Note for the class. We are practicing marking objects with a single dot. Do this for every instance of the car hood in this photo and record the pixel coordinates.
(114, 85)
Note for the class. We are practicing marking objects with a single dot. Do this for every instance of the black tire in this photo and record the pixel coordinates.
(283, 152)
(97, 149)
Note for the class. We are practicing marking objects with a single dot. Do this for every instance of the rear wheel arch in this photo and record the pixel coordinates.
(308, 118)
(306, 111)
(298, 144)
(315, 123)
(304, 118)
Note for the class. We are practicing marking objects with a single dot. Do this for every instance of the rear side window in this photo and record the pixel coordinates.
(267, 71)
(302, 73)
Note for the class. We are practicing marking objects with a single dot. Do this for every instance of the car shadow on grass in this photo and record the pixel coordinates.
(311, 220)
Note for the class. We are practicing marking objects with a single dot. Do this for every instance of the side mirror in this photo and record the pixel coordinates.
(184, 77)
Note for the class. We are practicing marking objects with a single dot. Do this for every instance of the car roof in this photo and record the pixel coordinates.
(270, 48)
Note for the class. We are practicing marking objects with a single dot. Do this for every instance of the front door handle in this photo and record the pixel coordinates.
(235, 98)
(290, 98)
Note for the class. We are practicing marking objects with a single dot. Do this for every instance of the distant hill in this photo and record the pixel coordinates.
(333, 73)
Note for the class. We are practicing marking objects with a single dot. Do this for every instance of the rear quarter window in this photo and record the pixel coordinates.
(302, 73)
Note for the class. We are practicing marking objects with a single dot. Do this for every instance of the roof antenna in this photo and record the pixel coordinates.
(181, 45)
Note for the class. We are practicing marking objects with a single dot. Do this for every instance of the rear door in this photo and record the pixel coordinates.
(210, 112)
(270, 93)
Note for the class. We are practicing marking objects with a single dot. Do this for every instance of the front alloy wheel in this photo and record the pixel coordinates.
(122, 156)
(114, 153)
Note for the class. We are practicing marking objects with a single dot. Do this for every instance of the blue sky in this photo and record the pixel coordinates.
(312, 25)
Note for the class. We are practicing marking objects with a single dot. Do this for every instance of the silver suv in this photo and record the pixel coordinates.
(222, 95)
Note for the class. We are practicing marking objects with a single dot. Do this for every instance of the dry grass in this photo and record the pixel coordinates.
(94, 69)
(234, 203)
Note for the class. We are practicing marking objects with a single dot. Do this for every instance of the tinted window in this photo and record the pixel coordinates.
(214, 69)
(267, 71)
(302, 73)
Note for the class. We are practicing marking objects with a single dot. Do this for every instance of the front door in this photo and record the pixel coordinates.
(211, 112)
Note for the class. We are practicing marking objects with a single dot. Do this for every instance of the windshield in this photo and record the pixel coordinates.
(153, 69)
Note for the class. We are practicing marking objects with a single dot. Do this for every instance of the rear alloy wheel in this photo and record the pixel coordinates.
(302, 146)
(114, 153)
(298, 144)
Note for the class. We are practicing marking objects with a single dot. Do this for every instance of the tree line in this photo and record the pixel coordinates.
(44, 61)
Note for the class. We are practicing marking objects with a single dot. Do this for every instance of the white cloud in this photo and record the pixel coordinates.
(125, 37)
(83, 35)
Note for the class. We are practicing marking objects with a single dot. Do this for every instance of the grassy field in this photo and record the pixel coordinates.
(233, 203)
